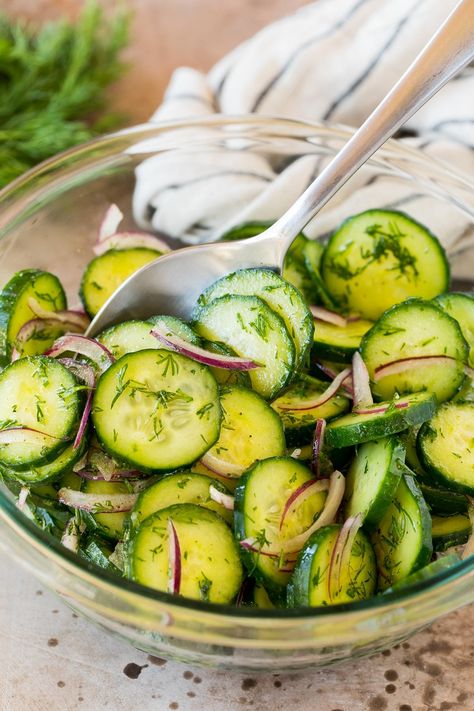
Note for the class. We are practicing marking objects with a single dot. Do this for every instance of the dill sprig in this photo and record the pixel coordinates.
(52, 82)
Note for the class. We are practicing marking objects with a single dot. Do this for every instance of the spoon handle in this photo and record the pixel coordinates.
(449, 50)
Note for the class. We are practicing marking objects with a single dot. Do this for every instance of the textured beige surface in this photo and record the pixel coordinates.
(50, 660)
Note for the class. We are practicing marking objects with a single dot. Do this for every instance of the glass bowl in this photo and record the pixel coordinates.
(49, 219)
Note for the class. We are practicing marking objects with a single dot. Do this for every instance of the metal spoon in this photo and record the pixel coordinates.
(172, 283)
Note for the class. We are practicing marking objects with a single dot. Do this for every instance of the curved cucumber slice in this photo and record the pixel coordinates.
(312, 254)
(338, 343)
(53, 470)
(442, 501)
(39, 393)
(156, 410)
(309, 585)
(402, 541)
(250, 430)
(128, 337)
(278, 294)
(177, 327)
(427, 572)
(373, 479)
(182, 488)
(252, 330)
(210, 564)
(413, 330)
(299, 424)
(260, 499)
(445, 446)
(104, 274)
(450, 531)
(381, 420)
(222, 375)
(460, 307)
(46, 289)
(387, 249)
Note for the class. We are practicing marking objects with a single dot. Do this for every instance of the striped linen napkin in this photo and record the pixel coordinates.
(333, 60)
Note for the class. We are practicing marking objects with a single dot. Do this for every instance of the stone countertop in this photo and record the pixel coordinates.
(52, 660)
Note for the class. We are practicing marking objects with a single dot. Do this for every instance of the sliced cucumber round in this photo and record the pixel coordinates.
(388, 251)
(460, 307)
(380, 420)
(47, 291)
(427, 572)
(450, 531)
(443, 501)
(402, 540)
(253, 330)
(260, 500)
(338, 343)
(225, 376)
(299, 424)
(128, 337)
(209, 557)
(414, 330)
(52, 470)
(156, 410)
(445, 446)
(278, 294)
(181, 488)
(309, 584)
(41, 394)
(250, 430)
(104, 274)
(312, 254)
(373, 479)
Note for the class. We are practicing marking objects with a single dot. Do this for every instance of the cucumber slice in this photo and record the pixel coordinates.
(210, 565)
(250, 430)
(427, 572)
(261, 598)
(224, 376)
(39, 393)
(445, 446)
(442, 501)
(402, 541)
(178, 328)
(338, 343)
(52, 470)
(260, 499)
(309, 582)
(299, 424)
(450, 531)
(373, 479)
(278, 294)
(413, 330)
(312, 255)
(252, 330)
(110, 525)
(460, 307)
(128, 337)
(182, 488)
(387, 249)
(46, 289)
(104, 274)
(156, 410)
(245, 230)
(399, 414)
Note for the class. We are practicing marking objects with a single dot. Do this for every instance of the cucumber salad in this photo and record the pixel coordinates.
(305, 440)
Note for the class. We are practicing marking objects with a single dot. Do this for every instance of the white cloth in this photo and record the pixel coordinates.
(333, 60)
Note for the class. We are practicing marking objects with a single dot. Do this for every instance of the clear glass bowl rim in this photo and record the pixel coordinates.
(102, 578)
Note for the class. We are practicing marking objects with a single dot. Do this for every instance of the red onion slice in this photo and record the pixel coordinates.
(361, 382)
(174, 560)
(341, 553)
(72, 534)
(379, 409)
(72, 318)
(399, 366)
(25, 435)
(82, 345)
(96, 503)
(225, 500)
(221, 467)
(22, 497)
(94, 475)
(469, 371)
(318, 442)
(215, 360)
(130, 240)
(251, 545)
(110, 222)
(327, 515)
(299, 496)
(331, 373)
(37, 327)
(85, 373)
(323, 397)
(322, 314)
